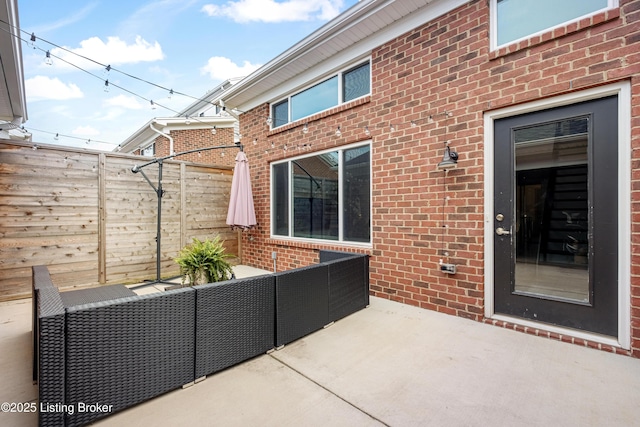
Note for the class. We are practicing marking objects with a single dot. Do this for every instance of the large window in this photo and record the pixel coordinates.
(343, 87)
(324, 196)
(514, 20)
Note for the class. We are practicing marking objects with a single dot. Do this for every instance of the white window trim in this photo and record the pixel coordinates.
(623, 91)
(339, 73)
(493, 17)
(340, 241)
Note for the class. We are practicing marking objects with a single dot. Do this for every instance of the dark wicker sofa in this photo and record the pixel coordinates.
(90, 348)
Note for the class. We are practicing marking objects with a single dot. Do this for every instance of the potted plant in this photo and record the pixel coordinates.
(204, 262)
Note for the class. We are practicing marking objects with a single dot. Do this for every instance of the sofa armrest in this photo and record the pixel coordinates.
(49, 352)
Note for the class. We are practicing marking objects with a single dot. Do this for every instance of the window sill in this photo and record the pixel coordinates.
(321, 115)
(574, 27)
(325, 244)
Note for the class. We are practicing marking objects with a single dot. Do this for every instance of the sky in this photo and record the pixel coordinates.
(189, 46)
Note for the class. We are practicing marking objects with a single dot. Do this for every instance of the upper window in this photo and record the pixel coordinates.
(343, 87)
(149, 151)
(514, 20)
(325, 196)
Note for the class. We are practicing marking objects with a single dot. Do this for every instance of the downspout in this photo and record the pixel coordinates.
(166, 135)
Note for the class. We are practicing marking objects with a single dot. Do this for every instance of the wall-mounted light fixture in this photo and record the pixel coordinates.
(449, 160)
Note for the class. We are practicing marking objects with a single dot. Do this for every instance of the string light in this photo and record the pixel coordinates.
(213, 131)
(57, 136)
(107, 68)
(47, 58)
(107, 84)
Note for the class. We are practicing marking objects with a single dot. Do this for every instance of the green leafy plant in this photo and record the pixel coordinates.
(204, 262)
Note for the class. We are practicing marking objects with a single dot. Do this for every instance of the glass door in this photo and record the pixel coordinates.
(556, 216)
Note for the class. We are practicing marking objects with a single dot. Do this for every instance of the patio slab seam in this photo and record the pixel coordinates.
(328, 390)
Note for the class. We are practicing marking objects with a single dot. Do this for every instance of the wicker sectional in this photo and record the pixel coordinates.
(123, 351)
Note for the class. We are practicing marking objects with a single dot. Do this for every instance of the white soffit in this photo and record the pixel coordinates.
(350, 36)
(13, 106)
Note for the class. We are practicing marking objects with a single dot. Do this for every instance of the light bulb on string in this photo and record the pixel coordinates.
(413, 123)
(153, 106)
(187, 121)
(214, 131)
(269, 121)
(255, 141)
(32, 41)
(305, 129)
(338, 132)
(170, 93)
(57, 137)
(392, 128)
(367, 131)
(106, 85)
(47, 58)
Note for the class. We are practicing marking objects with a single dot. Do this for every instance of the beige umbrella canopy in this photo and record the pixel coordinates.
(241, 212)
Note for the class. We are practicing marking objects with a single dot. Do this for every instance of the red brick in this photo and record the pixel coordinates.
(445, 65)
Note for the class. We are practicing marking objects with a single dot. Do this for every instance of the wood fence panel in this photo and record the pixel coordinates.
(91, 220)
(48, 201)
(206, 206)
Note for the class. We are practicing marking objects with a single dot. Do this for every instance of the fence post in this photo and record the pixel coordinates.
(102, 218)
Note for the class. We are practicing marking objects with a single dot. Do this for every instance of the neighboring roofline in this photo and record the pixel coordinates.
(145, 135)
(210, 98)
(188, 118)
(253, 89)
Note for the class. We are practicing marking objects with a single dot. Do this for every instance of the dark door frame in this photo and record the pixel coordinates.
(623, 91)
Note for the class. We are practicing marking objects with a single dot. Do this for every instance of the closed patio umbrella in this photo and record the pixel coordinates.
(241, 212)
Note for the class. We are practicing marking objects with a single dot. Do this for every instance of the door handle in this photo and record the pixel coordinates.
(502, 232)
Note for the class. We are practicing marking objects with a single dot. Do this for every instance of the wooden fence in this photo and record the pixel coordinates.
(92, 221)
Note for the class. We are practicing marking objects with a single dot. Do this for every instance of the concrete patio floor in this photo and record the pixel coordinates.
(389, 364)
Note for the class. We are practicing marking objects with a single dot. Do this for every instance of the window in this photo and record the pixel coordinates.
(317, 98)
(514, 20)
(325, 196)
(343, 87)
(149, 151)
(357, 82)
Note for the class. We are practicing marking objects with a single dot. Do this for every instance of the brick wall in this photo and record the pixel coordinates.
(443, 77)
(191, 139)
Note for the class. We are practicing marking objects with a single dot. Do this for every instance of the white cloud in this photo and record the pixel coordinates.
(41, 87)
(124, 101)
(85, 131)
(67, 20)
(220, 68)
(271, 11)
(114, 52)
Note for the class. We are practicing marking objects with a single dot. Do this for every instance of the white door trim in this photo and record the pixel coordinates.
(623, 91)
